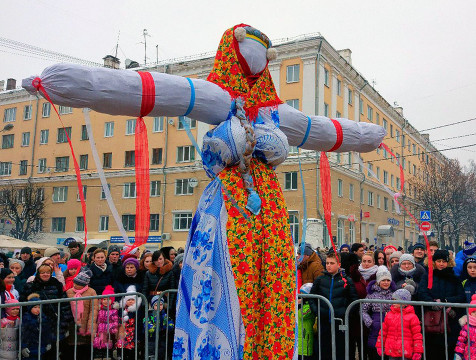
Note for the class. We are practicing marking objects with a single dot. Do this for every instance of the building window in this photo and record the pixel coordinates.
(130, 159)
(377, 118)
(340, 188)
(182, 187)
(46, 110)
(129, 190)
(352, 232)
(414, 149)
(370, 170)
(326, 77)
(157, 156)
(385, 177)
(109, 129)
(107, 160)
(38, 225)
(85, 193)
(392, 180)
(414, 169)
(361, 106)
(290, 180)
(27, 112)
(362, 196)
(338, 158)
(84, 133)
(292, 73)
(349, 158)
(58, 224)
(397, 136)
(398, 183)
(60, 194)
(154, 222)
(79, 223)
(182, 120)
(131, 127)
(5, 168)
(21, 196)
(326, 110)
(23, 167)
(103, 193)
(182, 221)
(62, 164)
(10, 114)
(83, 162)
(393, 205)
(185, 154)
(104, 223)
(293, 220)
(155, 188)
(41, 166)
(378, 201)
(40, 194)
(293, 103)
(351, 192)
(339, 87)
(370, 113)
(158, 125)
(44, 134)
(65, 110)
(338, 115)
(391, 130)
(62, 135)
(129, 222)
(350, 96)
(385, 124)
(404, 163)
(340, 232)
(370, 198)
(7, 141)
(293, 150)
(378, 173)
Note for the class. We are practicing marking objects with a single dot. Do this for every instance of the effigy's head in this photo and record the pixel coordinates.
(241, 65)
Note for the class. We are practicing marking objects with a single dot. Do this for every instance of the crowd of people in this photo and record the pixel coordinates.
(359, 271)
(113, 326)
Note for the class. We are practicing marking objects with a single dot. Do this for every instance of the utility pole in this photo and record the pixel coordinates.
(145, 33)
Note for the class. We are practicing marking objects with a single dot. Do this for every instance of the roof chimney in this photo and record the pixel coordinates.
(11, 84)
(2, 85)
(111, 62)
(346, 54)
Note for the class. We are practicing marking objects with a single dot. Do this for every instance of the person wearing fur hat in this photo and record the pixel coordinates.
(158, 310)
(34, 318)
(129, 275)
(463, 349)
(468, 250)
(446, 288)
(390, 337)
(310, 266)
(469, 277)
(107, 324)
(407, 272)
(131, 313)
(9, 331)
(382, 289)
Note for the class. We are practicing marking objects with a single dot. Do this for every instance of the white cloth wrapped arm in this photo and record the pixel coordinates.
(119, 92)
(356, 136)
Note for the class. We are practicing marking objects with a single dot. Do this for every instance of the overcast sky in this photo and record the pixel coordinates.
(421, 54)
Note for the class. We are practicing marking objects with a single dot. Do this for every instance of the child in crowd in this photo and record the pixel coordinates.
(306, 321)
(9, 331)
(130, 305)
(390, 338)
(107, 324)
(72, 269)
(84, 313)
(468, 276)
(163, 323)
(30, 331)
(462, 352)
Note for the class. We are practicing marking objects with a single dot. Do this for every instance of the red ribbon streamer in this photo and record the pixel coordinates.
(39, 87)
(339, 135)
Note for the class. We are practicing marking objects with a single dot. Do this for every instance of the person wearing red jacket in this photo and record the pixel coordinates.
(391, 334)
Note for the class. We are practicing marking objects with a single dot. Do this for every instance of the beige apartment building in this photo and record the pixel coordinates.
(309, 74)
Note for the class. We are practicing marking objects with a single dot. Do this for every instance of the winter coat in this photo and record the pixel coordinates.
(311, 268)
(305, 330)
(116, 269)
(392, 333)
(9, 339)
(127, 330)
(446, 287)
(462, 344)
(29, 269)
(51, 290)
(399, 277)
(469, 288)
(86, 322)
(20, 281)
(371, 311)
(460, 258)
(100, 279)
(359, 282)
(338, 289)
(30, 333)
(159, 279)
(107, 325)
(122, 282)
(150, 325)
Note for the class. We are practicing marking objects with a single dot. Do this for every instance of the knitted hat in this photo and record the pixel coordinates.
(73, 264)
(138, 301)
(406, 257)
(128, 256)
(344, 246)
(410, 286)
(395, 254)
(402, 294)
(73, 244)
(40, 262)
(51, 251)
(306, 288)
(4, 272)
(131, 260)
(154, 300)
(473, 302)
(469, 248)
(113, 248)
(10, 308)
(83, 278)
(389, 247)
(441, 255)
(383, 274)
(418, 246)
(33, 297)
(178, 259)
(109, 290)
(308, 250)
(17, 261)
(25, 250)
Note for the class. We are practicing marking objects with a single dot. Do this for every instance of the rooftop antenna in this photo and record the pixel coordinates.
(145, 33)
(374, 82)
(117, 44)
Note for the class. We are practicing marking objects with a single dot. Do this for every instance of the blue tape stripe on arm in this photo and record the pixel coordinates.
(192, 98)
(308, 130)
